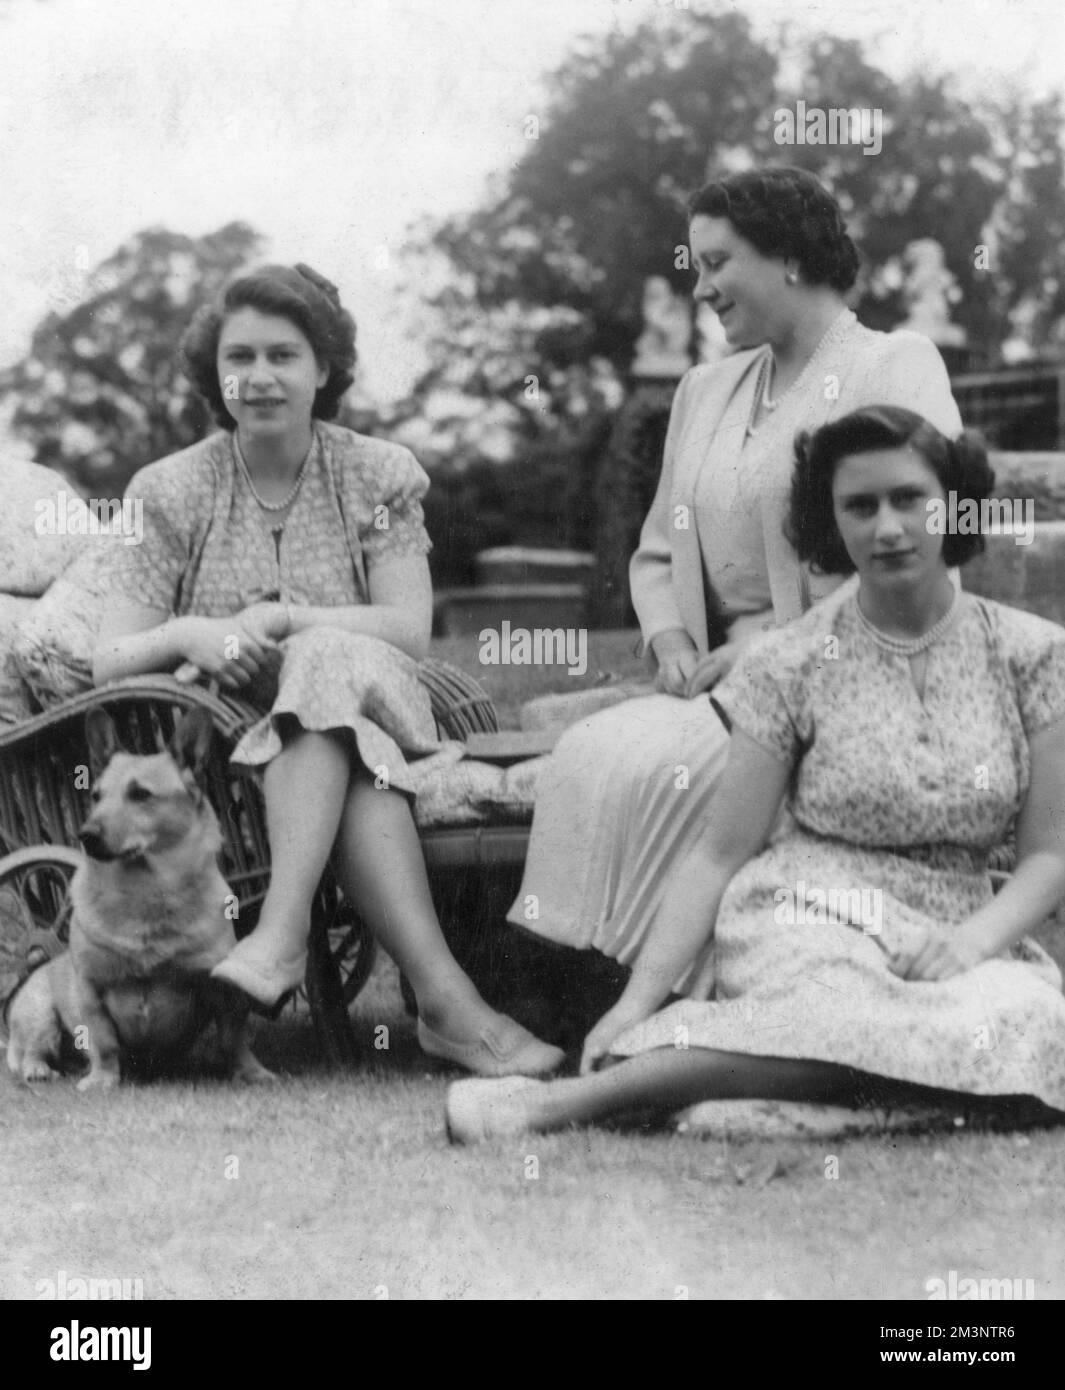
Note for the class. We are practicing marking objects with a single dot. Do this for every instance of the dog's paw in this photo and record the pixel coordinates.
(38, 1070)
(99, 1081)
(252, 1073)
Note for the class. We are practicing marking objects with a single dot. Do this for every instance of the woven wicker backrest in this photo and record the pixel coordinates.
(44, 763)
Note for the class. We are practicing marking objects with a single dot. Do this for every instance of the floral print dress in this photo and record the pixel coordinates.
(208, 550)
(895, 803)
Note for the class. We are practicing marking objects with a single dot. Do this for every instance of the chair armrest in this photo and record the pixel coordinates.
(460, 705)
(512, 745)
(231, 717)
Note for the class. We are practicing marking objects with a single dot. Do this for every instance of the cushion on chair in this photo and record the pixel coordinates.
(15, 704)
(32, 554)
(54, 644)
(453, 790)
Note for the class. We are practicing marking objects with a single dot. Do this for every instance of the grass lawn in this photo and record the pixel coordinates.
(342, 1185)
(611, 657)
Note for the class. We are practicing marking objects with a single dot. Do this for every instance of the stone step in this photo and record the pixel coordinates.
(523, 564)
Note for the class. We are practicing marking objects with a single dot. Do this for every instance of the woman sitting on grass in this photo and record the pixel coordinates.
(858, 950)
(286, 558)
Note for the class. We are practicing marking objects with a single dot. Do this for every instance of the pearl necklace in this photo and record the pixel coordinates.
(912, 646)
(286, 501)
(761, 388)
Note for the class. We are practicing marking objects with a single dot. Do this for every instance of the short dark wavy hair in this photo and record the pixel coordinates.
(960, 465)
(296, 293)
(787, 213)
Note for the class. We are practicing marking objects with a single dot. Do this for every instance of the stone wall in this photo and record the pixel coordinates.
(1025, 576)
(1031, 577)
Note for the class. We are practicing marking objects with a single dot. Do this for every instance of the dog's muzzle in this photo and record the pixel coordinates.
(92, 842)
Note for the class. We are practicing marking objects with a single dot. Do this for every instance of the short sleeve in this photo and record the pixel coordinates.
(758, 697)
(912, 374)
(149, 570)
(397, 526)
(1037, 663)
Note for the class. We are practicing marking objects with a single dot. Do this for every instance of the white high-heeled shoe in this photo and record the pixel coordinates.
(476, 1110)
(268, 983)
(502, 1049)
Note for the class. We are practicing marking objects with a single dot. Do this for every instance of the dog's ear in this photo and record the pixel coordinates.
(102, 739)
(191, 742)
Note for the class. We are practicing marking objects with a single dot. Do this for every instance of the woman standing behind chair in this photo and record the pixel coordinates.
(286, 557)
(627, 791)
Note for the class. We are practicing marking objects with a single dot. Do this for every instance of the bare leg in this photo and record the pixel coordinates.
(304, 788)
(380, 866)
(668, 1079)
(317, 800)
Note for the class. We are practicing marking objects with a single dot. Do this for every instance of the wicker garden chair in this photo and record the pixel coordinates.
(44, 800)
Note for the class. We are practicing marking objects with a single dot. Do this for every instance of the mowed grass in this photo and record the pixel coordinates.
(338, 1184)
(343, 1185)
(611, 657)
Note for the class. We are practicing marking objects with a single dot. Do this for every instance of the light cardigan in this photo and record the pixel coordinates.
(711, 407)
(205, 549)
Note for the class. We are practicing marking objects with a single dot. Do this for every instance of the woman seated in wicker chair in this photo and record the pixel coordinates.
(285, 557)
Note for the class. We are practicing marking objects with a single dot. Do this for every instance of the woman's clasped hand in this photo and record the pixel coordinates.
(945, 950)
(684, 671)
(235, 651)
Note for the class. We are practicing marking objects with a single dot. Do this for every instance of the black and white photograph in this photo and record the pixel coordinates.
(532, 661)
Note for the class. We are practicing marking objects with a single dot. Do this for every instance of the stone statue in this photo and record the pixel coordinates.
(663, 349)
(930, 289)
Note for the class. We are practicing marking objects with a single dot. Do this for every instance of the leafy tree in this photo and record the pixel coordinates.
(101, 392)
(549, 274)
(626, 486)
(635, 122)
(512, 453)
(594, 206)
(1029, 225)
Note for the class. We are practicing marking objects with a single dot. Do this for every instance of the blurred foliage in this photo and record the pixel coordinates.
(627, 481)
(547, 276)
(535, 298)
(636, 121)
(513, 454)
(540, 493)
(101, 393)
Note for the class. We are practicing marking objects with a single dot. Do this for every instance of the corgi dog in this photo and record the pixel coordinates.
(149, 922)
